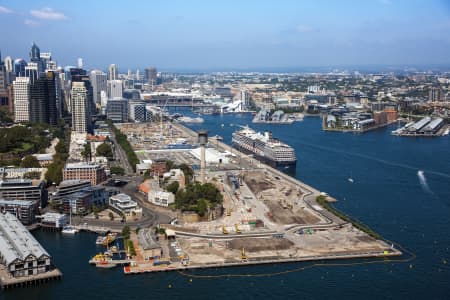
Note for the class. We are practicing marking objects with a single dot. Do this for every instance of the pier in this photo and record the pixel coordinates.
(9, 282)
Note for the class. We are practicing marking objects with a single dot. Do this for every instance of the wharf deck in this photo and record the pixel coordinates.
(8, 282)
(129, 270)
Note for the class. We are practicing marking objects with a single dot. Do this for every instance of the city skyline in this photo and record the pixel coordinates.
(243, 36)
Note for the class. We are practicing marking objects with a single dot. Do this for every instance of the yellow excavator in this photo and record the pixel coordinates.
(243, 255)
(237, 228)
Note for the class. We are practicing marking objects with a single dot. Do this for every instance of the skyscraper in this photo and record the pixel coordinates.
(80, 107)
(21, 87)
(99, 84)
(32, 71)
(9, 64)
(79, 75)
(43, 99)
(80, 63)
(435, 94)
(115, 89)
(19, 67)
(35, 56)
(151, 76)
(117, 110)
(112, 72)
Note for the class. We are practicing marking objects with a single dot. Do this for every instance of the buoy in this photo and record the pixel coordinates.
(169, 286)
(190, 279)
(410, 266)
(444, 261)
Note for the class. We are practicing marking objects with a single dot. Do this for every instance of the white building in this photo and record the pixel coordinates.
(80, 107)
(122, 203)
(115, 89)
(55, 220)
(113, 72)
(21, 87)
(161, 198)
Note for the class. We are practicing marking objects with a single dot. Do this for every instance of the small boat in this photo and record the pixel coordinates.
(69, 230)
(114, 249)
(350, 180)
(100, 240)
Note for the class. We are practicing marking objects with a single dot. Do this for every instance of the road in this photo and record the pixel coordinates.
(120, 155)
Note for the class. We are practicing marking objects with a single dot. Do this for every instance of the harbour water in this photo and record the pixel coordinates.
(400, 189)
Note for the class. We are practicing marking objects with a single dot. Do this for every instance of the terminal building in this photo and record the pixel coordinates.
(20, 252)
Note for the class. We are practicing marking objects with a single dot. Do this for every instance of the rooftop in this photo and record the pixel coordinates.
(16, 242)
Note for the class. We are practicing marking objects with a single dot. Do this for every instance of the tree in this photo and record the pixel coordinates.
(117, 170)
(126, 232)
(173, 187)
(104, 150)
(86, 152)
(54, 173)
(30, 161)
(202, 206)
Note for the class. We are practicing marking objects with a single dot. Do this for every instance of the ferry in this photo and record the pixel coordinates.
(264, 147)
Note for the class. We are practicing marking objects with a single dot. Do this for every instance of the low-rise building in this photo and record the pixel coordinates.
(161, 198)
(122, 204)
(24, 210)
(159, 167)
(53, 220)
(151, 249)
(81, 171)
(44, 159)
(20, 173)
(24, 189)
(20, 252)
(175, 175)
(68, 187)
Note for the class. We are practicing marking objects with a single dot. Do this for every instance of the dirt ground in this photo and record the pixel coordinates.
(256, 184)
(286, 216)
(260, 244)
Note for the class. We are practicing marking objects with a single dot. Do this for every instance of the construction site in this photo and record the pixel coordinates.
(268, 217)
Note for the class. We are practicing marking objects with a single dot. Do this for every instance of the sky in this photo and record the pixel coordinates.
(232, 34)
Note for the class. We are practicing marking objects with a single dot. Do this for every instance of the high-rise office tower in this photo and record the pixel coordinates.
(99, 84)
(3, 78)
(47, 62)
(21, 87)
(115, 88)
(80, 63)
(117, 110)
(43, 99)
(151, 76)
(32, 71)
(79, 75)
(80, 107)
(35, 56)
(435, 94)
(19, 67)
(138, 75)
(9, 65)
(113, 75)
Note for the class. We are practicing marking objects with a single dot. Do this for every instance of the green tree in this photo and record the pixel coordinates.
(54, 173)
(202, 206)
(30, 161)
(104, 150)
(117, 170)
(173, 187)
(86, 152)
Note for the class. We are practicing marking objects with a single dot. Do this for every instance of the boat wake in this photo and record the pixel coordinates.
(423, 182)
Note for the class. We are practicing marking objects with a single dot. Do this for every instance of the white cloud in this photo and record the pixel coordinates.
(48, 13)
(5, 10)
(31, 23)
(303, 28)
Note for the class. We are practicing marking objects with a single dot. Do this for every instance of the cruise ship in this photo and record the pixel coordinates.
(264, 147)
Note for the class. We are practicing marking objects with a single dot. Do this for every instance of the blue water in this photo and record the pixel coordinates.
(388, 194)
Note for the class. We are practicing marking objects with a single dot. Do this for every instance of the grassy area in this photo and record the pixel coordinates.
(328, 206)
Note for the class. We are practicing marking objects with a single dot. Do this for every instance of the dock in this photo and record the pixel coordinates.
(9, 282)
(147, 268)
